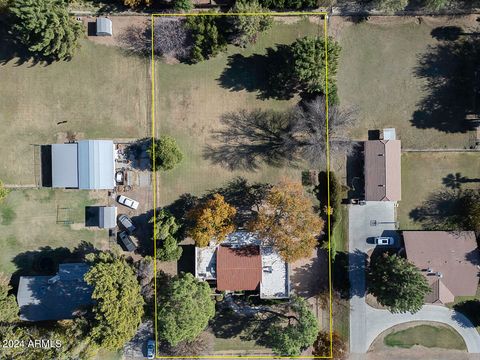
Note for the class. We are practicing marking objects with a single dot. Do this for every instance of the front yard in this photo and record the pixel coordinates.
(424, 174)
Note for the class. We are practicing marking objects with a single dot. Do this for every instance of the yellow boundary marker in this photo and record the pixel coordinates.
(154, 181)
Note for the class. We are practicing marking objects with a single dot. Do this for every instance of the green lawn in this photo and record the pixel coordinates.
(340, 229)
(426, 335)
(32, 222)
(424, 173)
(377, 75)
(101, 93)
(190, 100)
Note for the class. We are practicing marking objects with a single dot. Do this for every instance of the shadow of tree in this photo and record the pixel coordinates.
(269, 74)
(249, 139)
(455, 181)
(469, 309)
(136, 152)
(449, 70)
(144, 233)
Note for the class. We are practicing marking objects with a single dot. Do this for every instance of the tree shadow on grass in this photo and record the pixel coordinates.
(455, 181)
(449, 70)
(471, 310)
(250, 139)
(269, 74)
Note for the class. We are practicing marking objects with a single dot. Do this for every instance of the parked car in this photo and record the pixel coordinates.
(132, 204)
(384, 240)
(127, 223)
(151, 349)
(127, 241)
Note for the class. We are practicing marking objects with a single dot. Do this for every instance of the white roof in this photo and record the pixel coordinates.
(64, 166)
(389, 134)
(108, 217)
(275, 283)
(206, 263)
(104, 26)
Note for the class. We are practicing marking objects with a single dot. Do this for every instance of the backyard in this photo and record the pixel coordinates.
(100, 93)
(428, 173)
(36, 221)
(190, 100)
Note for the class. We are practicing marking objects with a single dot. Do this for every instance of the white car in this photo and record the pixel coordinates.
(132, 204)
(384, 240)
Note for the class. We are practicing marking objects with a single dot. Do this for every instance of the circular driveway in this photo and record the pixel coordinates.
(380, 320)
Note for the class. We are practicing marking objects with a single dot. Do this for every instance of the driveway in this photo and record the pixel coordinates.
(365, 222)
(380, 320)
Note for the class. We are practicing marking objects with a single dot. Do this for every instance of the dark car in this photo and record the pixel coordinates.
(127, 241)
(151, 349)
(127, 223)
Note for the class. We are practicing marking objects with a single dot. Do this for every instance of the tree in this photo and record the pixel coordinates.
(397, 283)
(8, 304)
(118, 308)
(435, 4)
(137, 3)
(321, 346)
(309, 131)
(165, 232)
(213, 221)
(46, 28)
(309, 65)
(287, 221)
(182, 5)
(185, 307)
(3, 191)
(172, 38)
(246, 28)
(165, 152)
(390, 6)
(207, 39)
(298, 334)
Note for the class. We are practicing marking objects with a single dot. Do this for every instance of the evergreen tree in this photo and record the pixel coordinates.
(165, 234)
(166, 153)
(207, 39)
(246, 28)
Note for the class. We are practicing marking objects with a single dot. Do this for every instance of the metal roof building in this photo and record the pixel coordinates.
(104, 27)
(55, 297)
(107, 217)
(88, 165)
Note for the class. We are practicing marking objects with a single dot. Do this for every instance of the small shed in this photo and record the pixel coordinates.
(104, 27)
(107, 217)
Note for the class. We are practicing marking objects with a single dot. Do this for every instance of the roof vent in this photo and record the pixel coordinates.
(429, 271)
(439, 274)
(267, 269)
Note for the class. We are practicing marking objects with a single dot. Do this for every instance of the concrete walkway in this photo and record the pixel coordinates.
(380, 320)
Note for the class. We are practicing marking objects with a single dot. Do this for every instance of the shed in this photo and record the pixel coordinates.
(104, 27)
(107, 217)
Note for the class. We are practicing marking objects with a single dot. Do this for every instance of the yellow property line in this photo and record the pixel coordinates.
(154, 182)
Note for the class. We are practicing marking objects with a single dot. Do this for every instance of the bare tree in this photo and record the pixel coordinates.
(136, 40)
(310, 128)
(172, 38)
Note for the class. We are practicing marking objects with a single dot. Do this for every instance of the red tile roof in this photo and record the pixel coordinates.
(238, 268)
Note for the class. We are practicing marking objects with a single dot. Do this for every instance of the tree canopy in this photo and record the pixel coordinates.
(287, 220)
(166, 153)
(397, 283)
(185, 306)
(8, 304)
(118, 308)
(298, 334)
(165, 233)
(183, 5)
(246, 28)
(46, 28)
(213, 219)
(309, 65)
(321, 346)
(3, 191)
(208, 41)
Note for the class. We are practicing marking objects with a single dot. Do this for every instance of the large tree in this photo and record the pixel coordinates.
(298, 333)
(165, 152)
(8, 304)
(212, 220)
(397, 283)
(288, 221)
(309, 131)
(118, 308)
(245, 28)
(208, 41)
(322, 347)
(310, 55)
(46, 28)
(165, 234)
(185, 306)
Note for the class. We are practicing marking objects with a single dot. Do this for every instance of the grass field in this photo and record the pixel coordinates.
(101, 93)
(439, 336)
(424, 173)
(28, 222)
(382, 74)
(191, 99)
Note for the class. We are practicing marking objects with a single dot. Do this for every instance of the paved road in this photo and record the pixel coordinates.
(361, 229)
(381, 320)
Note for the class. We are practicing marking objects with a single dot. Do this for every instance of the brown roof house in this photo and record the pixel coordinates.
(382, 168)
(242, 263)
(449, 260)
